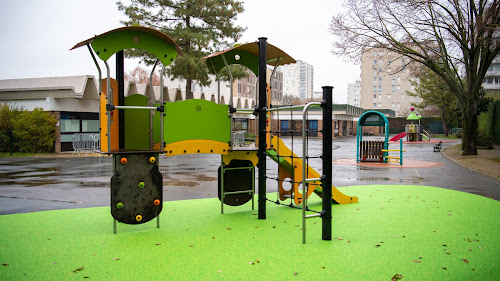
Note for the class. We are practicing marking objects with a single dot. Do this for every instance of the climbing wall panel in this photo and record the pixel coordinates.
(136, 188)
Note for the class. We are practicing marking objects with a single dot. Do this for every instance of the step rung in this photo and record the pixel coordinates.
(287, 195)
(313, 216)
(238, 192)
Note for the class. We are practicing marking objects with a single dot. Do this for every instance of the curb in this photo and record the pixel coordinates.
(474, 170)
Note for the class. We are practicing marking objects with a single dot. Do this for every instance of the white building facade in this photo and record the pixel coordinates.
(354, 93)
(385, 78)
(298, 80)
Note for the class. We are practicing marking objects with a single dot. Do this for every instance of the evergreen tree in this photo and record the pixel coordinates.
(198, 27)
(434, 92)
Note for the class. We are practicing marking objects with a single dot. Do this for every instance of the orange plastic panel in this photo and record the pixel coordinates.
(104, 117)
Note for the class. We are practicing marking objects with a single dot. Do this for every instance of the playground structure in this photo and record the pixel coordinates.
(139, 129)
(413, 132)
(376, 150)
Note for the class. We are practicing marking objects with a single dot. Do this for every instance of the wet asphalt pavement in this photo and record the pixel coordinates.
(39, 184)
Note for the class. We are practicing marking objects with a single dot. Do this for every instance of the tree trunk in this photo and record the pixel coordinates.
(189, 93)
(469, 136)
(443, 118)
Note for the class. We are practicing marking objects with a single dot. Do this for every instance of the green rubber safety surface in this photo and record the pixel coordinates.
(418, 232)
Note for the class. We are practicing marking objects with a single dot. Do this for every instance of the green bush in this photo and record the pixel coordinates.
(459, 134)
(8, 115)
(34, 131)
(484, 141)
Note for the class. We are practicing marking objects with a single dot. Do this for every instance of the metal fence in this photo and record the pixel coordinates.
(87, 143)
(239, 138)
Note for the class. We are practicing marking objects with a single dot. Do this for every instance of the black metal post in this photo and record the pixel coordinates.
(262, 126)
(120, 78)
(326, 182)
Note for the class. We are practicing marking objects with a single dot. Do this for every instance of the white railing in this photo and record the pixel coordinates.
(87, 143)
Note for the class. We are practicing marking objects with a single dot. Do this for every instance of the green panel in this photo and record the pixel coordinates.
(244, 58)
(136, 123)
(109, 43)
(196, 119)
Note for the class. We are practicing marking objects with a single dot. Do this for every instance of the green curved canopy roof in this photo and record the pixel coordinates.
(372, 118)
(247, 55)
(144, 38)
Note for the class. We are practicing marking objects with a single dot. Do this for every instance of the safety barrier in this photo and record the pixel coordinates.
(87, 143)
(371, 151)
(239, 138)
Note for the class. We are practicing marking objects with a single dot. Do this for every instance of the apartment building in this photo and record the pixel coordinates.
(298, 79)
(491, 82)
(354, 93)
(385, 78)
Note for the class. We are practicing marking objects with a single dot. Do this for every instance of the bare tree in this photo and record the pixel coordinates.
(456, 39)
(140, 75)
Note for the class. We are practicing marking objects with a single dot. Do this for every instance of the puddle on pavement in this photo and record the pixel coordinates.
(180, 183)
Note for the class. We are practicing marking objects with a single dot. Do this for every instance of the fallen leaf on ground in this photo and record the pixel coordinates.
(78, 269)
(396, 277)
(464, 260)
(5, 264)
(417, 261)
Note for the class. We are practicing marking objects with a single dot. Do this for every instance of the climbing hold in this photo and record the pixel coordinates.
(152, 159)
(123, 160)
(141, 184)
(119, 205)
(157, 202)
(138, 218)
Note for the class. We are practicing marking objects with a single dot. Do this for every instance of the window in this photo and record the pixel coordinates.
(379, 105)
(399, 87)
(389, 96)
(374, 104)
(393, 105)
(379, 96)
(380, 88)
(374, 89)
(374, 62)
(380, 79)
(380, 70)
(393, 80)
(375, 96)
(402, 97)
(399, 79)
(375, 53)
(393, 88)
(374, 79)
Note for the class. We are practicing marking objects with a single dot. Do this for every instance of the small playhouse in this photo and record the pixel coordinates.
(371, 150)
(376, 150)
(414, 132)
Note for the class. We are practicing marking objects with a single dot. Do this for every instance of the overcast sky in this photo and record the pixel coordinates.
(36, 36)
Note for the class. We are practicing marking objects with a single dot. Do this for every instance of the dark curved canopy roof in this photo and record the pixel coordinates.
(247, 55)
(158, 43)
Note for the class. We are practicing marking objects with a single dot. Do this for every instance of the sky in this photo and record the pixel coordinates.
(36, 37)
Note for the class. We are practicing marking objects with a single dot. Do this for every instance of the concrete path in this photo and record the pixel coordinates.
(38, 184)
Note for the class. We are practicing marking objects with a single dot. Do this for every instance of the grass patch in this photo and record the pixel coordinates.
(21, 154)
(495, 159)
(452, 137)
